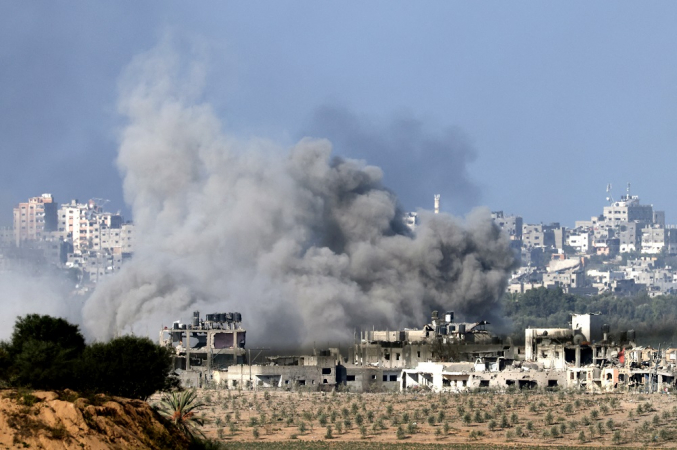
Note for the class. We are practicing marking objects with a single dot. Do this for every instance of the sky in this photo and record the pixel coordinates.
(527, 107)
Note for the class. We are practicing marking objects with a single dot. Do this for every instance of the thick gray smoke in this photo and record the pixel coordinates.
(420, 159)
(307, 246)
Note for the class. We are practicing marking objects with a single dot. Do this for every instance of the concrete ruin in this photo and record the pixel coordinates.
(205, 346)
(443, 356)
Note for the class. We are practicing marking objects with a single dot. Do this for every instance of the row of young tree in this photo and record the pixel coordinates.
(652, 318)
(50, 353)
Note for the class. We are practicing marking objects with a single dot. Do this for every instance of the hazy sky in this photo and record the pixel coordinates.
(528, 107)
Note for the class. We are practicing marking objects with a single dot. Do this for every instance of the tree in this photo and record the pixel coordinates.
(42, 352)
(180, 408)
(127, 366)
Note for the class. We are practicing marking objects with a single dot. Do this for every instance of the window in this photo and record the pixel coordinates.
(397, 356)
(393, 377)
(373, 377)
(350, 377)
(387, 356)
(418, 354)
(326, 370)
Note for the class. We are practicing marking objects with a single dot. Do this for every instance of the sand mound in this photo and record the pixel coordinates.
(47, 420)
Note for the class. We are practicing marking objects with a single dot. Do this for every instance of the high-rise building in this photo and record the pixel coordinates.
(33, 218)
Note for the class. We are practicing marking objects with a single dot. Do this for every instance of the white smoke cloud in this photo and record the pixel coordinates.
(22, 293)
(307, 246)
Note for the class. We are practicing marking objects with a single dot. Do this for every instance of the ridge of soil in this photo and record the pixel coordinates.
(51, 420)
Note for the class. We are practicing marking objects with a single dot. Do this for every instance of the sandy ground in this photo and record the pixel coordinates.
(45, 420)
(520, 418)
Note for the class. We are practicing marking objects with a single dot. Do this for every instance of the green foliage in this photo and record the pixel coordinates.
(41, 353)
(180, 409)
(127, 366)
(617, 438)
(581, 437)
(49, 353)
(652, 318)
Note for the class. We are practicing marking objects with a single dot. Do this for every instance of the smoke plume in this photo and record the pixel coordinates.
(26, 292)
(421, 159)
(306, 245)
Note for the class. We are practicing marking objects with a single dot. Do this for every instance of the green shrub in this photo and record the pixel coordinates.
(363, 432)
(42, 353)
(549, 418)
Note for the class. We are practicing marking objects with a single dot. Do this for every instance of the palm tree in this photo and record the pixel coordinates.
(179, 407)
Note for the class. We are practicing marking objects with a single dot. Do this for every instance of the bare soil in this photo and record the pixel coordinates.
(515, 419)
(49, 420)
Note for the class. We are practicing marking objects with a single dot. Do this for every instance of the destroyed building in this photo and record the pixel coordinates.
(204, 346)
(443, 355)
(442, 339)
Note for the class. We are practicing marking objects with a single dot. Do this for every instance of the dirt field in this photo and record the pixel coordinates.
(527, 418)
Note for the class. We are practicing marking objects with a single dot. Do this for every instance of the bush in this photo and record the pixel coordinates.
(128, 366)
(617, 438)
(549, 418)
(50, 353)
(411, 428)
(363, 432)
(42, 352)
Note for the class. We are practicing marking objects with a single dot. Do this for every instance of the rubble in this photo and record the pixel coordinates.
(444, 355)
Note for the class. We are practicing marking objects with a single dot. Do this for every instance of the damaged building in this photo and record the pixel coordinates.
(204, 346)
(444, 355)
